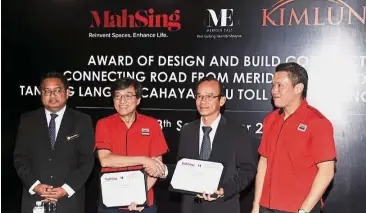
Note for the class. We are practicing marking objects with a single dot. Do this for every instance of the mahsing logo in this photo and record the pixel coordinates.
(139, 19)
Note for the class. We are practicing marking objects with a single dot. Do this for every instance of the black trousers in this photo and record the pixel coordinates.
(150, 209)
(316, 209)
(266, 210)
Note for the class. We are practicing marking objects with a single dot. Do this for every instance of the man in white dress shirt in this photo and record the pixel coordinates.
(212, 138)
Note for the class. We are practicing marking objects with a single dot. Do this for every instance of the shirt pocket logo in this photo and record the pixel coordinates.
(302, 127)
(145, 131)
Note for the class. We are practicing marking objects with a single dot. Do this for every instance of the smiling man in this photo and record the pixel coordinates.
(54, 150)
(128, 140)
(215, 139)
(297, 150)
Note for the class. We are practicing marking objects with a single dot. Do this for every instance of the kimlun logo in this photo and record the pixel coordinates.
(340, 13)
(139, 19)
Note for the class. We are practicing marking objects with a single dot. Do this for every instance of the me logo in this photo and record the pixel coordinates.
(220, 24)
(223, 19)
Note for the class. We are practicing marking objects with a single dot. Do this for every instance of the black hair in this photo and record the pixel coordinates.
(125, 83)
(297, 74)
(211, 78)
(57, 75)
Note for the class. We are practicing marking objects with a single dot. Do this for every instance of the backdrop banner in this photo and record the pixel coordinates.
(168, 46)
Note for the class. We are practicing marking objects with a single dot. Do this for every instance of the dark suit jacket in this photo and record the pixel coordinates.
(70, 162)
(231, 147)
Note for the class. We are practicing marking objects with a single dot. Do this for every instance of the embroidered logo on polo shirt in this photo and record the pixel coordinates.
(302, 127)
(145, 131)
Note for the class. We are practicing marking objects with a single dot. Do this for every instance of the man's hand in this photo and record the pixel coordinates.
(220, 193)
(133, 207)
(255, 208)
(54, 194)
(42, 188)
(154, 167)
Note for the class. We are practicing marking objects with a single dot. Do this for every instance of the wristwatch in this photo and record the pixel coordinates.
(302, 211)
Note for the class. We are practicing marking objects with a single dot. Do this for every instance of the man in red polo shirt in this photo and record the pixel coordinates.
(128, 140)
(297, 151)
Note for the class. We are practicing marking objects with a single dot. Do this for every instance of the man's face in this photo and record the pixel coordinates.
(125, 101)
(208, 101)
(283, 92)
(54, 94)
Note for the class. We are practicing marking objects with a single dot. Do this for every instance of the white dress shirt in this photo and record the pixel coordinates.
(214, 126)
(58, 120)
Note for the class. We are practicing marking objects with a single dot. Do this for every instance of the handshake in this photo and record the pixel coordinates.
(154, 167)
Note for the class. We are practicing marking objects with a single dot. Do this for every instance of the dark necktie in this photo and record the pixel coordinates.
(206, 143)
(52, 130)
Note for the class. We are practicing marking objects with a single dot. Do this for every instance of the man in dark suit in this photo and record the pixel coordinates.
(53, 155)
(212, 138)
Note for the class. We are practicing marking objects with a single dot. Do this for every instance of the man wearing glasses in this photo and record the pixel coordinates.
(212, 138)
(128, 140)
(53, 155)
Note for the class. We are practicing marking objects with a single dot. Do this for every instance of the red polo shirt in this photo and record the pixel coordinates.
(293, 147)
(143, 138)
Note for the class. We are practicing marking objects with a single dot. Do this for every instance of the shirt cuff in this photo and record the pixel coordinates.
(68, 189)
(165, 173)
(33, 186)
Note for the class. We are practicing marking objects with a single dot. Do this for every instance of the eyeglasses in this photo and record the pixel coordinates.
(208, 97)
(49, 92)
(126, 97)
